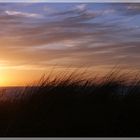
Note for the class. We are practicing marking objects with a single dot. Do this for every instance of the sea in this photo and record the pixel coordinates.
(16, 92)
(10, 92)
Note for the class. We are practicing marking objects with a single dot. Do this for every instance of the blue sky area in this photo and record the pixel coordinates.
(46, 34)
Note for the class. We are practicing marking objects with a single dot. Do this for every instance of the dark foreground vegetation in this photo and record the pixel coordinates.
(70, 106)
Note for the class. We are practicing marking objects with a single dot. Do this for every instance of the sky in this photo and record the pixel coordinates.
(36, 37)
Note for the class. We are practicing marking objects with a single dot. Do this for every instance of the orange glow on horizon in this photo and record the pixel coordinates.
(22, 77)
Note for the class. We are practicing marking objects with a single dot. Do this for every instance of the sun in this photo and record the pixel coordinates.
(3, 78)
(0, 76)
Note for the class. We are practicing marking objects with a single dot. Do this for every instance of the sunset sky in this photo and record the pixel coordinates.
(34, 37)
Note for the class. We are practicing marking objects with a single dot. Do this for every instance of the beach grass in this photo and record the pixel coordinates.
(71, 106)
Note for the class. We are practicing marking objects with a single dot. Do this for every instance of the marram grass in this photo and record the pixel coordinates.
(72, 106)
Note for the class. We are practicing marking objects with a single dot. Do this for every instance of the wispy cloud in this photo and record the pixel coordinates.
(81, 7)
(127, 8)
(23, 14)
(73, 36)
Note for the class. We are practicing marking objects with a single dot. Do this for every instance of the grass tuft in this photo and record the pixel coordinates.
(68, 105)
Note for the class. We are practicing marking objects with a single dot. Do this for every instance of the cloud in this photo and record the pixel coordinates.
(81, 13)
(108, 11)
(133, 8)
(81, 7)
(127, 8)
(23, 14)
(49, 10)
(70, 37)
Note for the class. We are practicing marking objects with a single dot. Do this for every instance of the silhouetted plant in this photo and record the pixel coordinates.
(69, 105)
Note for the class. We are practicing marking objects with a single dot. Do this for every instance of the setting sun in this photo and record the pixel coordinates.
(36, 37)
(69, 69)
(3, 78)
